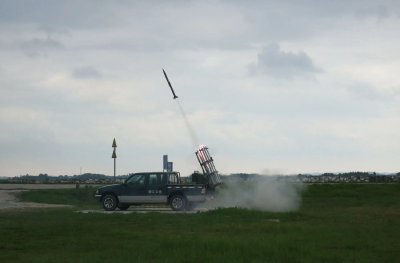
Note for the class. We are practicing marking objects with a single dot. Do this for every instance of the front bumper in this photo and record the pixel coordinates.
(98, 197)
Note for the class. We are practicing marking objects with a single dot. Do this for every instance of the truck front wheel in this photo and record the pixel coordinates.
(109, 202)
(178, 203)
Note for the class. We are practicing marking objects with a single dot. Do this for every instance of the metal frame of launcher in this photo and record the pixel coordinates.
(210, 176)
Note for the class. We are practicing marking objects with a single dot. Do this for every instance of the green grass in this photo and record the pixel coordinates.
(76, 196)
(336, 223)
(79, 197)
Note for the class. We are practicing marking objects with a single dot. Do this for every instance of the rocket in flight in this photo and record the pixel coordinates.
(169, 83)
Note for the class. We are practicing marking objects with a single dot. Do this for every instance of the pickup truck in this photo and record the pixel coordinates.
(152, 188)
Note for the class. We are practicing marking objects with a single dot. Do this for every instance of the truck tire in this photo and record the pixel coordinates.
(191, 206)
(178, 203)
(123, 207)
(109, 202)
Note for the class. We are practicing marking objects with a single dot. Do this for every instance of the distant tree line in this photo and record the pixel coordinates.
(242, 176)
(350, 174)
(246, 176)
(75, 176)
(355, 174)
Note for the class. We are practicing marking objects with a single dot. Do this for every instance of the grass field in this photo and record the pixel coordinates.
(336, 223)
(78, 197)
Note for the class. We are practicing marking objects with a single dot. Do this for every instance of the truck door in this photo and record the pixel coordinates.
(134, 190)
(156, 189)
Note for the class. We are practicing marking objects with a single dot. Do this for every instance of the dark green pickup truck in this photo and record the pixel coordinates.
(152, 188)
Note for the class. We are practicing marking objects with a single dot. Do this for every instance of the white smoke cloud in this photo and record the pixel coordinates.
(268, 194)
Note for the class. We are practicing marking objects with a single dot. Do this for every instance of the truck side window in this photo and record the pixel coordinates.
(156, 179)
(141, 180)
(172, 179)
(163, 178)
(137, 179)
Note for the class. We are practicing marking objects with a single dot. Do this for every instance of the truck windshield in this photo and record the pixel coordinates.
(134, 179)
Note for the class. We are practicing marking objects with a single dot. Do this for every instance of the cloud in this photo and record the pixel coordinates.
(380, 12)
(50, 31)
(369, 92)
(204, 45)
(71, 14)
(86, 73)
(40, 47)
(273, 62)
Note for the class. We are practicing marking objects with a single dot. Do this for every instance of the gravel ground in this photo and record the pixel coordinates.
(8, 200)
(143, 210)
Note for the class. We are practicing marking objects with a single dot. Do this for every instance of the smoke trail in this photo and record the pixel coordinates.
(267, 194)
(189, 127)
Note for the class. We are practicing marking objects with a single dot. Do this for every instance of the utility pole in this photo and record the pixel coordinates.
(114, 156)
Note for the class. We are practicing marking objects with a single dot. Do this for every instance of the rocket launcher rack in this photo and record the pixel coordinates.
(207, 165)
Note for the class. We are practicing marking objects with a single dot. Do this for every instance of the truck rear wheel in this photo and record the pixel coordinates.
(178, 203)
(109, 202)
(191, 206)
(123, 207)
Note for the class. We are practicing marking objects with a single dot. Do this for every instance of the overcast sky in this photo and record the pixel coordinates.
(269, 86)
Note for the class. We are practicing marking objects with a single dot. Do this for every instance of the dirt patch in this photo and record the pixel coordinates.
(9, 201)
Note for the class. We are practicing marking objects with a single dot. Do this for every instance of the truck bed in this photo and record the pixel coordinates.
(192, 192)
